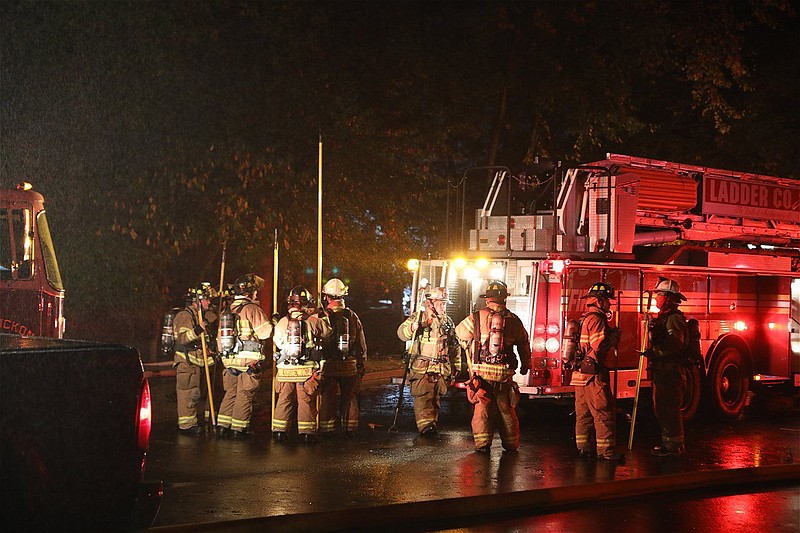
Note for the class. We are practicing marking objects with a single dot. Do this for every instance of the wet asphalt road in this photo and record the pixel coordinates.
(211, 480)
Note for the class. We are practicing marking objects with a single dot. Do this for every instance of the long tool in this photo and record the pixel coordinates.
(407, 365)
(616, 360)
(221, 299)
(274, 312)
(205, 364)
(643, 348)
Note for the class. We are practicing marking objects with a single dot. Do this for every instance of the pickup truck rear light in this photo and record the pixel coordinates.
(145, 422)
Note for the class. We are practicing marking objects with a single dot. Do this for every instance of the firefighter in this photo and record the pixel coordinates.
(343, 355)
(242, 329)
(594, 401)
(490, 336)
(432, 358)
(298, 337)
(668, 339)
(190, 378)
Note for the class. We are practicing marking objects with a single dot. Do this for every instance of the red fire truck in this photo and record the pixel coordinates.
(59, 474)
(31, 292)
(730, 239)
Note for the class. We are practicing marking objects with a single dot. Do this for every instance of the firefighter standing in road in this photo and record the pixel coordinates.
(490, 336)
(594, 402)
(343, 353)
(432, 358)
(242, 329)
(298, 337)
(190, 380)
(668, 340)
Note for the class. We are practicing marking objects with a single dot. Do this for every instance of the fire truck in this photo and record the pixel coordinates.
(730, 239)
(59, 473)
(31, 292)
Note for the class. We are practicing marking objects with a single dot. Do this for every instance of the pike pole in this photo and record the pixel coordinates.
(222, 275)
(221, 295)
(407, 358)
(274, 311)
(319, 227)
(319, 248)
(616, 360)
(643, 349)
(205, 363)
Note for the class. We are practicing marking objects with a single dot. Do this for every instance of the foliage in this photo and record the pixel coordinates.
(159, 131)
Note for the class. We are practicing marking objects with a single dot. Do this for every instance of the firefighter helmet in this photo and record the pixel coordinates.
(496, 289)
(247, 284)
(601, 290)
(203, 291)
(670, 288)
(335, 288)
(299, 295)
(437, 293)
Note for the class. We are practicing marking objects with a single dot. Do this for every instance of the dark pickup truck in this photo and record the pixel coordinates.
(75, 421)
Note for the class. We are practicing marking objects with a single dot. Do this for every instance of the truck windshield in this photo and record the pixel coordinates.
(49, 253)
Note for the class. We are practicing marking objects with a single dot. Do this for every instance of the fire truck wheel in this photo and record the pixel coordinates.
(729, 382)
(691, 392)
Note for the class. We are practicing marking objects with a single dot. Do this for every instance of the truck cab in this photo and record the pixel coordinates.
(31, 291)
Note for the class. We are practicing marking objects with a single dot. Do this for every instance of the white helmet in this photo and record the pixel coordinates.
(669, 287)
(437, 293)
(335, 288)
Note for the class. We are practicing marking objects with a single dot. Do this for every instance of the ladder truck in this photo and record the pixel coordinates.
(730, 239)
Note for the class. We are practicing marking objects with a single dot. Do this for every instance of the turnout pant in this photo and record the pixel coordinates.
(427, 389)
(668, 378)
(497, 409)
(190, 387)
(594, 417)
(296, 399)
(347, 388)
(237, 405)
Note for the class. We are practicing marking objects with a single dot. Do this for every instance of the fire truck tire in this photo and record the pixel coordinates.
(728, 382)
(692, 392)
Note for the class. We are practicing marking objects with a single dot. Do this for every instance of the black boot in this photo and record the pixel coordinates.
(280, 436)
(223, 432)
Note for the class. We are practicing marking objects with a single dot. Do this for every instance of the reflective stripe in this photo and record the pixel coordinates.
(186, 422)
(279, 425)
(493, 372)
(197, 361)
(224, 421)
(295, 373)
(239, 425)
(242, 361)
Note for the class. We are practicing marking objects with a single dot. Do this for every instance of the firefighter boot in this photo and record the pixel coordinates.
(280, 436)
(223, 432)
(663, 451)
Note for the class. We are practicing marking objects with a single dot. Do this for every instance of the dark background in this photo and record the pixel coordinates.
(158, 131)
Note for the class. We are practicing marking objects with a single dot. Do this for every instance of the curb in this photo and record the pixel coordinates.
(474, 510)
